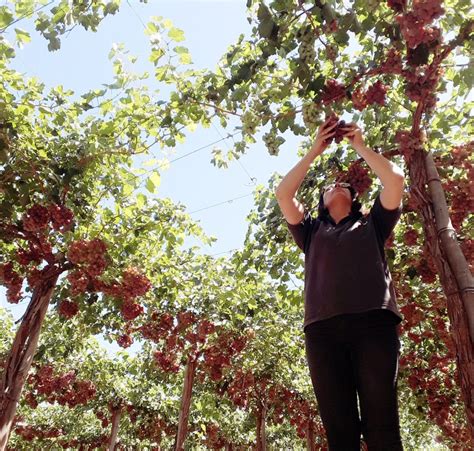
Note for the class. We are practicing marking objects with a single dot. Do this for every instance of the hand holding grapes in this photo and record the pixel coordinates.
(353, 132)
(325, 132)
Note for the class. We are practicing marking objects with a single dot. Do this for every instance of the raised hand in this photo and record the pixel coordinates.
(354, 134)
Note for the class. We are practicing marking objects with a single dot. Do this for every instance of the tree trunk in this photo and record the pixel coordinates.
(453, 272)
(115, 426)
(261, 414)
(185, 402)
(21, 355)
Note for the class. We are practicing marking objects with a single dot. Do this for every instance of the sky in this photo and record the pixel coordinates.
(210, 26)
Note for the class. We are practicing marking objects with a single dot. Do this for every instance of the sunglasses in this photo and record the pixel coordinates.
(333, 185)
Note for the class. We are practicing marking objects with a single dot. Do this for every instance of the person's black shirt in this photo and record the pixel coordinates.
(345, 266)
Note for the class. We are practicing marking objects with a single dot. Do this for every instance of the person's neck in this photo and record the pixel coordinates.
(338, 213)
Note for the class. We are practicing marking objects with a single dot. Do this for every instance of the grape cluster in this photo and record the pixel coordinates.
(90, 254)
(407, 144)
(35, 275)
(166, 361)
(358, 177)
(410, 237)
(332, 51)
(12, 280)
(310, 112)
(338, 132)
(79, 281)
(35, 218)
(61, 217)
(245, 387)
(64, 389)
(393, 63)
(125, 340)
(30, 433)
(460, 156)
(359, 100)
(153, 428)
(397, 5)
(25, 257)
(273, 142)
(376, 93)
(426, 270)
(214, 438)
(306, 50)
(333, 91)
(185, 319)
(413, 24)
(158, 327)
(218, 356)
(462, 203)
(249, 123)
(130, 309)
(134, 283)
(68, 309)
(467, 247)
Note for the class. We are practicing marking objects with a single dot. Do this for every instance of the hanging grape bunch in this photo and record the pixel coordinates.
(306, 50)
(339, 132)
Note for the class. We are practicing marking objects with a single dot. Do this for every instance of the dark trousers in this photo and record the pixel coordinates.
(350, 355)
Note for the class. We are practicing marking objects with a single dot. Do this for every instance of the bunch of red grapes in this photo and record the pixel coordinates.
(64, 389)
(393, 63)
(38, 216)
(219, 355)
(12, 280)
(333, 91)
(189, 328)
(338, 131)
(358, 177)
(413, 23)
(214, 438)
(29, 433)
(132, 285)
(68, 309)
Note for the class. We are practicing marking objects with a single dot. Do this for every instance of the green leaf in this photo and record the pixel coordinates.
(153, 182)
(176, 34)
(6, 17)
(22, 36)
(155, 178)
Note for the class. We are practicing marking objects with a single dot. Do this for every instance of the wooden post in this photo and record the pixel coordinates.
(453, 272)
(185, 401)
(21, 355)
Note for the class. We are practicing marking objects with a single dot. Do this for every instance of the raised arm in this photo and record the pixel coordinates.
(285, 192)
(390, 174)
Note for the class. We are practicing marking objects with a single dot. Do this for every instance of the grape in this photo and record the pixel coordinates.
(376, 93)
(130, 310)
(393, 63)
(125, 341)
(273, 142)
(397, 5)
(333, 91)
(249, 123)
(410, 237)
(61, 217)
(359, 99)
(68, 309)
(36, 218)
(310, 112)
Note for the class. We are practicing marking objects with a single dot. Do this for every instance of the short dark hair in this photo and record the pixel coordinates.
(356, 206)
